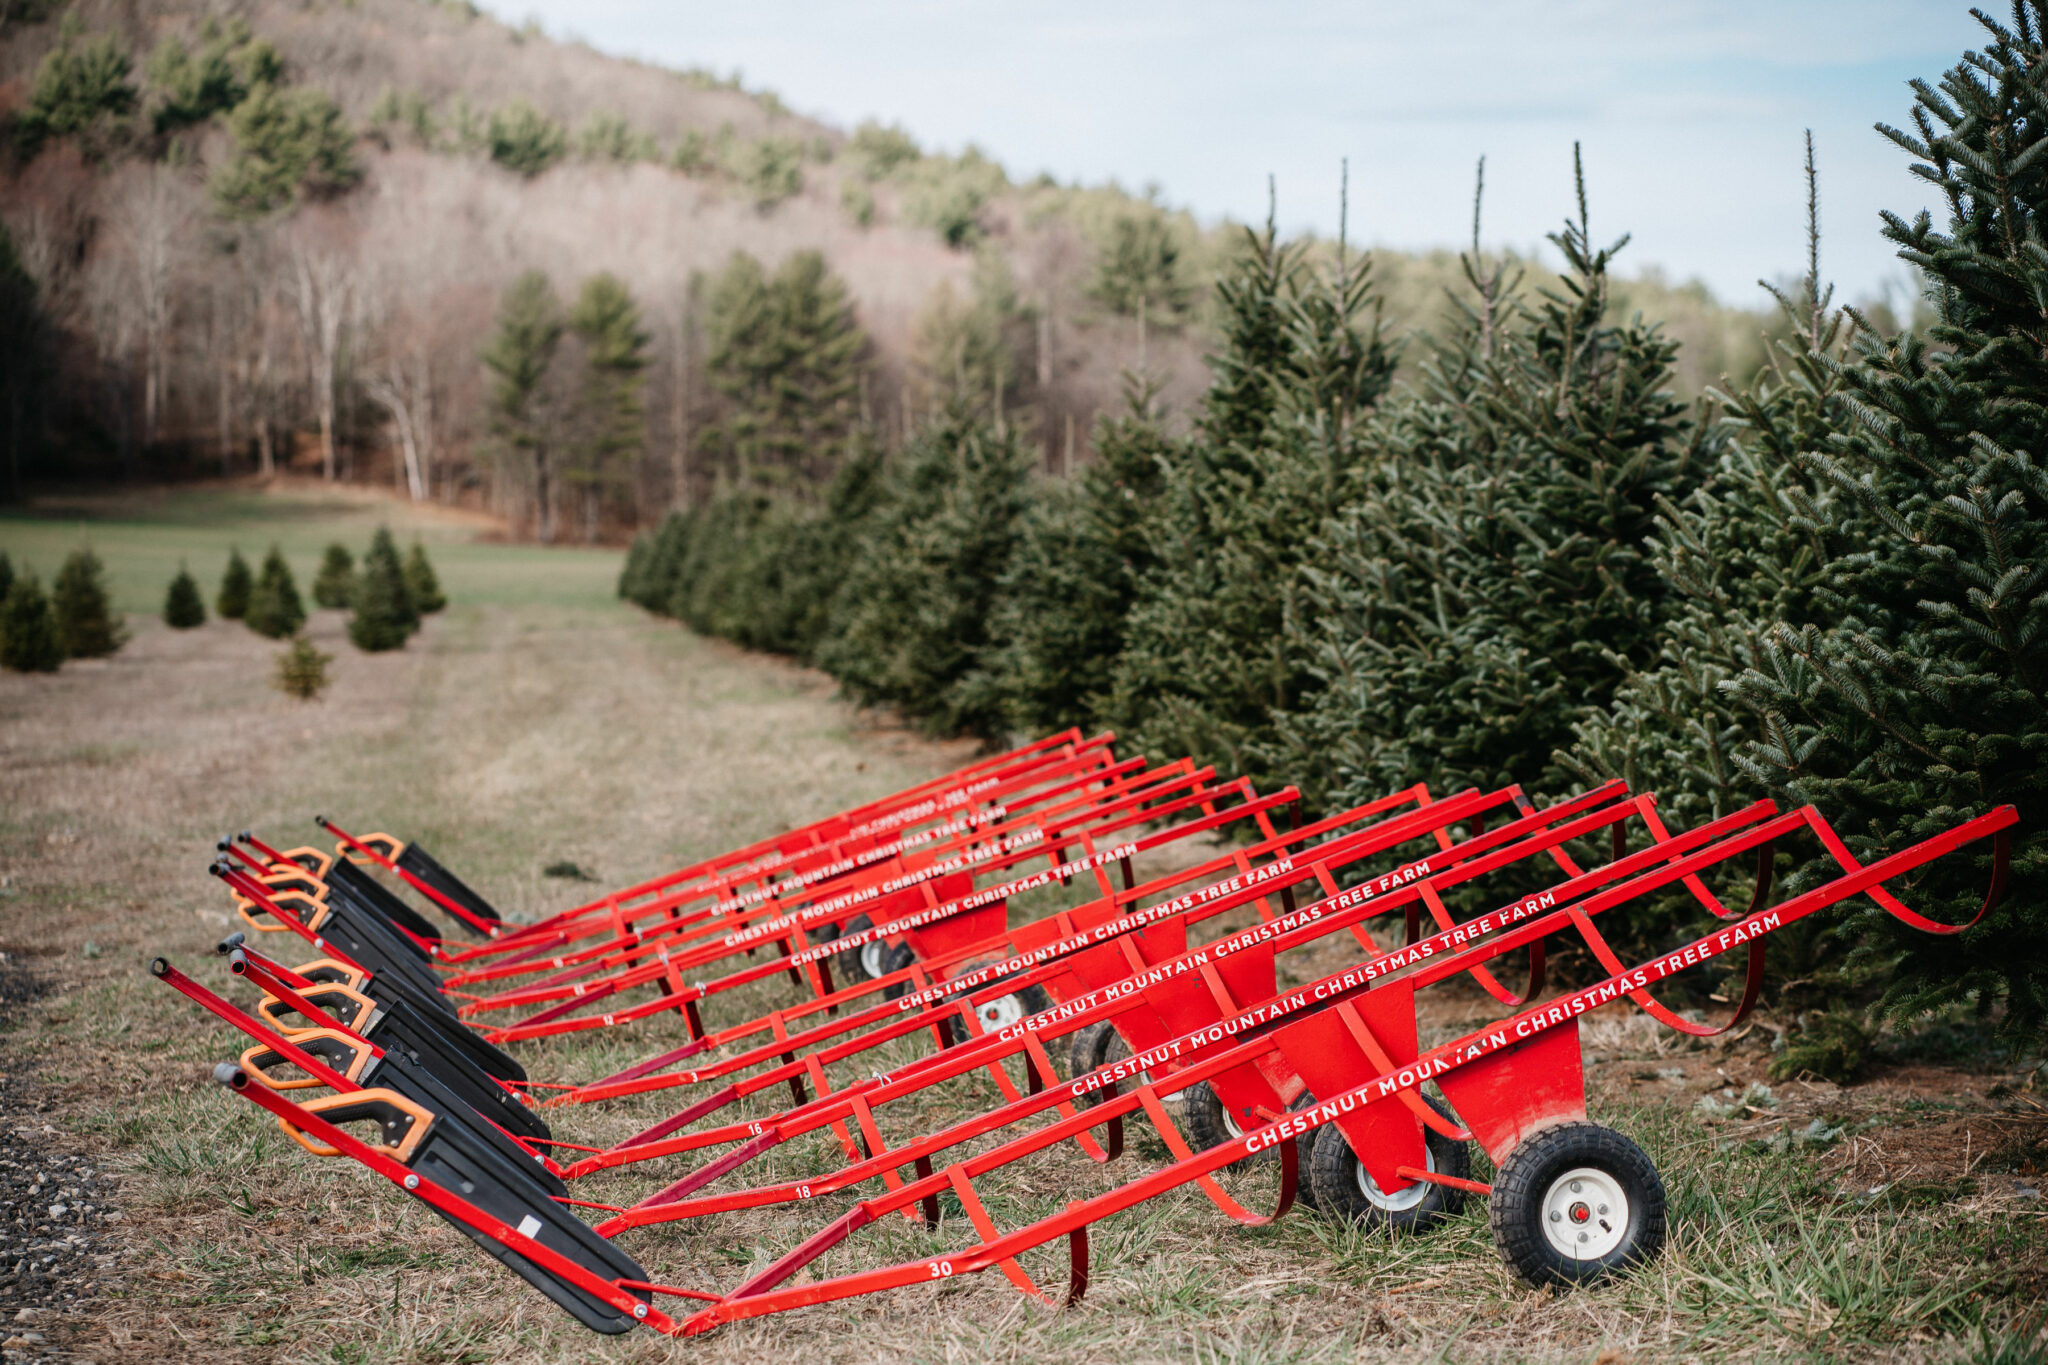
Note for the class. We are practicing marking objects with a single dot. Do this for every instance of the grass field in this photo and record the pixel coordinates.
(539, 720)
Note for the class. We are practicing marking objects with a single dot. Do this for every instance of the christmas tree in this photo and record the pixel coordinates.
(275, 610)
(87, 625)
(183, 607)
(1069, 590)
(1489, 582)
(301, 670)
(1922, 696)
(232, 602)
(1209, 659)
(29, 642)
(384, 617)
(420, 582)
(336, 579)
(921, 589)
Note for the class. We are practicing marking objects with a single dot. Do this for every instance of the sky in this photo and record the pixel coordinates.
(1691, 112)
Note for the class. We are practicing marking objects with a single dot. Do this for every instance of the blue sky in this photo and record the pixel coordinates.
(1690, 112)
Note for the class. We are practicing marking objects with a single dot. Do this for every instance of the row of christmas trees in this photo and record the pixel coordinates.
(1529, 562)
(387, 599)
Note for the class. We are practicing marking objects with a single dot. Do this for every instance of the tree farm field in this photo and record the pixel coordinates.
(539, 721)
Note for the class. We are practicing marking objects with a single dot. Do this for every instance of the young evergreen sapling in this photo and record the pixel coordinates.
(384, 617)
(29, 642)
(421, 584)
(87, 625)
(236, 585)
(183, 607)
(275, 610)
(301, 670)
(336, 579)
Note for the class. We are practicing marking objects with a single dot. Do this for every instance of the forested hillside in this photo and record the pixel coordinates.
(277, 233)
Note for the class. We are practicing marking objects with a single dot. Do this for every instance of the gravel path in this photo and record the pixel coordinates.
(56, 1251)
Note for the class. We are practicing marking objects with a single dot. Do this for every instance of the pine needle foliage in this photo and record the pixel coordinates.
(183, 607)
(1921, 695)
(1488, 580)
(422, 585)
(1210, 658)
(1083, 551)
(275, 610)
(922, 588)
(336, 579)
(29, 642)
(301, 670)
(385, 616)
(87, 625)
(231, 603)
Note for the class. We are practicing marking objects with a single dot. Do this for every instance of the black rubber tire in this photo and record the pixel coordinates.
(1339, 1181)
(847, 968)
(895, 957)
(999, 1012)
(825, 933)
(1304, 1159)
(1097, 1045)
(1525, 1182)
(1203, 1122)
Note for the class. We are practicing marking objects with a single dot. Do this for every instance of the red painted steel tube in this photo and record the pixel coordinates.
(681, 994)
(1499, 1040)
(944, 795)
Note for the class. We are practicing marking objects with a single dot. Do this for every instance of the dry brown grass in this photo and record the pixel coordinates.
(509, 736)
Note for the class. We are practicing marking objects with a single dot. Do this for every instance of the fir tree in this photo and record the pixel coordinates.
(336, 579)
(301, 670)
(786, 354)
(384, 615)
(275, 610)
(6, 575)
(1925, 699)
(1084, 551)
(611, 429)
(29, 642)
(1211, 656)
(421, 584)
(183, 607)
(288, 143)
(525, 419)
(232, 602)
(523, 140)
(920, 592)
(81, 88)
(87, 625)
(1489, 583)
(1749, 548)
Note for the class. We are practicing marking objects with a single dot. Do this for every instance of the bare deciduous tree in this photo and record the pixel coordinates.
(150, 231)
(323, 285)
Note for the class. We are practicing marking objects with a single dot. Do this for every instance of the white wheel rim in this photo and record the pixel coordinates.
(1400, 1201)
(871, 958)
(1000, 1013)
(1585, 1214)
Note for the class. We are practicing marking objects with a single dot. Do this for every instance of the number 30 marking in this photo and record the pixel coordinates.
(941, 1269)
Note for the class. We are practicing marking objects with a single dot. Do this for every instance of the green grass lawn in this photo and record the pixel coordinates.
(144, 537)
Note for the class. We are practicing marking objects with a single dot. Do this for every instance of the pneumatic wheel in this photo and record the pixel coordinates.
(851, 964)
(1097, 1045)
(1345, 1189)
(1575, 1204)
(824, 933)
(1002, 1011)
(1206, 1123)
